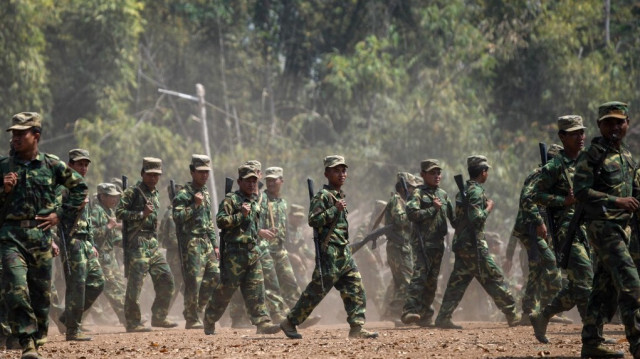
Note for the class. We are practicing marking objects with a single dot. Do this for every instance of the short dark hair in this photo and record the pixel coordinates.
(477, 170)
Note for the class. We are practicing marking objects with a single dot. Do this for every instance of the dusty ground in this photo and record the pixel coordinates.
(477, 339)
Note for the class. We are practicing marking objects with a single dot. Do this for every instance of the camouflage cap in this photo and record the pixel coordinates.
(25, 120)
(570, 123)
(152, 165)
(419, 180)
(246, 171)
(109, 189)
(201, 162)
(79, 154)
(408, 178)
(613, 109)
(428, 165)
(554, 150)
(334, 160)
(254, 163)
(273, 172)
(296, 208)
(477, 161)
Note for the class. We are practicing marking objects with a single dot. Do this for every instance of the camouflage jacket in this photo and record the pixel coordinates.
(35, 192)
(616, 178)
(132, 204)
(236, 228)
(191, 221)
(276, 208)
(323, 213)
(528, 211)
(469, 235)
(167, 232)
(104, 238)
(396, 216)
(429, 222)
(82, 228)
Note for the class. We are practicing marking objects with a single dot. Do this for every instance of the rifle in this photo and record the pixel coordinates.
(316, 236)
(372, 236)
(550, 213)
(228, 185)
(465, 203)
(172, 194)
(125, 246)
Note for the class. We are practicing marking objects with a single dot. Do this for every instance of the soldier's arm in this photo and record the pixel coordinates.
(98, 226)
(477, 213)
(544, 183)
(321, 211)
(211, 230)
(583, 180)
(77, 188)
(126, 201)
(451, 213)
(228, 217)
(529, 208)
(184, 208)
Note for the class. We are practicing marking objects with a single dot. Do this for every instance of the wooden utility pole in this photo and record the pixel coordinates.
(205, 142)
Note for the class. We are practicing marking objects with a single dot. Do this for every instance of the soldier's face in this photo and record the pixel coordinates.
(248, 186)
(336, 176)
(432, 178)
(614, 129)
(573, 141)
(80, 166)
(150, 179)
(110, 201)
(274, 185)
(23, 140)
(200, 178)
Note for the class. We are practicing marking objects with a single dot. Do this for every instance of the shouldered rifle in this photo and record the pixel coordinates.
(125, 228)
(316, 236)
(172, 194)
(228, 186)
(465, 203)
(549, 213)
(372, 236)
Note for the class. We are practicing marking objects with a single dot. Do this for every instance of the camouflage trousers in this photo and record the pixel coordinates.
(615, 282)
(544, 279)
(146, 258)
(338, 270)
(400, 260)
(424, 282)
(240, 268)
(4, 325)
(576, 290)
(201, 275)
(173, 259)
(114, 287)
(26, 280)
(83, 285)
(289, 288)
(479, 265)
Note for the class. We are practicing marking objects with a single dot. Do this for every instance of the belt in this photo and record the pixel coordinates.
(25, 223)
(248, 246)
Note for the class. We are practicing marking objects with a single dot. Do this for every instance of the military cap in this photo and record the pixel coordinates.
(201, 163)
(428, 165)
(334, 160)
(408, 178)
(118, 182)
(79, 154)
(419, 180)
(25, 120)
(296, 208)
(613, 109)
(246, 171)
(570, 123)
(152, 165)
(477, 161)
(273, 172)
(554, 150)
(109, 189)
(254, 163)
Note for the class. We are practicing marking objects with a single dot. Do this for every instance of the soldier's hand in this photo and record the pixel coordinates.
(507, 266)
(341, 205)
(246, 209)
(490, 205)
(84, 203)
(627, 203)
(95, 251)
(148, 208)
(198, 198)
(437, 203)
(48, 221)
(112, 223)
(267, 234)
(10, 180)
(570, 199)
(216, 250)
(541, 230)
(55, 250)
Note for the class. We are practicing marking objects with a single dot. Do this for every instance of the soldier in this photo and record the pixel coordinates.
(428, 208)
(328, 214)
(138, 208)
(240, 266)
(106, 234)
(472, 258)
(299, 248)
(554, 190)
(399, 253)
(85, 280)
(197, 239)
(169, 240)
(604, 184)
(28, 212)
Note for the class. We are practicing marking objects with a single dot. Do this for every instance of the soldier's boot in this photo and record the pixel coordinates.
(29, 350)
(357, 332)
(194, 325)
(267, 328)
(514, 319)
(164, 323)
(410, 318)
(311, 321)
(560, 319)
(138, 328)
(209, 328)
(13, 342)
(447, 324)
(610, 341)
(425, 322)
(539, 322)
(289, 330)
(41, 341)
(599, 351)
(77, 336)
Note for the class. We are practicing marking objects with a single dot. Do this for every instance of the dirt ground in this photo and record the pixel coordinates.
(476, 340)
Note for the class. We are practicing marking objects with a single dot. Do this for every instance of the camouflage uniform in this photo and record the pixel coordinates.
(25, 249)
(550, 190)
(169, 240)
(338, 267)
(197, 237)
(300, 250)
(472, 258)
(544, 280)
(144, 255)
(105, 239)
(430, 229)
(616, 277)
